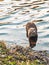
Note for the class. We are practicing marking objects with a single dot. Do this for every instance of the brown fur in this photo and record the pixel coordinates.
(31, 33)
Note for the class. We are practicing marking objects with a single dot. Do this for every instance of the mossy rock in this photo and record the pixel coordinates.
(2, 45)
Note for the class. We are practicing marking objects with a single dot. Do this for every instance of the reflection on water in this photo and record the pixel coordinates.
(13, 18)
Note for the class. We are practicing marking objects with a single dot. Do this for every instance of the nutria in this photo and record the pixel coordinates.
(31, 33)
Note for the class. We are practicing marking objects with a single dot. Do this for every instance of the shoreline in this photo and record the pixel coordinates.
(21, 56)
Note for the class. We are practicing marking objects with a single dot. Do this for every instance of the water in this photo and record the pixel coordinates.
(13, 18)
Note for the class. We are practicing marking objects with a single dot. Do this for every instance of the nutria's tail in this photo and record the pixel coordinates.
(31, 32)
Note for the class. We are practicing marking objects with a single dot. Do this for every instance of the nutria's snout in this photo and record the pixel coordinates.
(31, 32)
(32, 45)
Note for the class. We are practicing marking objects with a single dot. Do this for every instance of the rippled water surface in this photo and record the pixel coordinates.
(13, 18)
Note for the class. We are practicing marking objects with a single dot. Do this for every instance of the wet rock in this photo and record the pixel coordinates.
(31, 54)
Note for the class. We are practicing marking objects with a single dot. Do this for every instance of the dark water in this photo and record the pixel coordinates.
(13, 18)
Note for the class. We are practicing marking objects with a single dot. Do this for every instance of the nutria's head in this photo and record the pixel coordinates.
(33, 40)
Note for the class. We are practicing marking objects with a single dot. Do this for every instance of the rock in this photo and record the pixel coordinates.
(2, 44)
(29, 54)
(48, 11)
(19, 53)
(3, 56)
